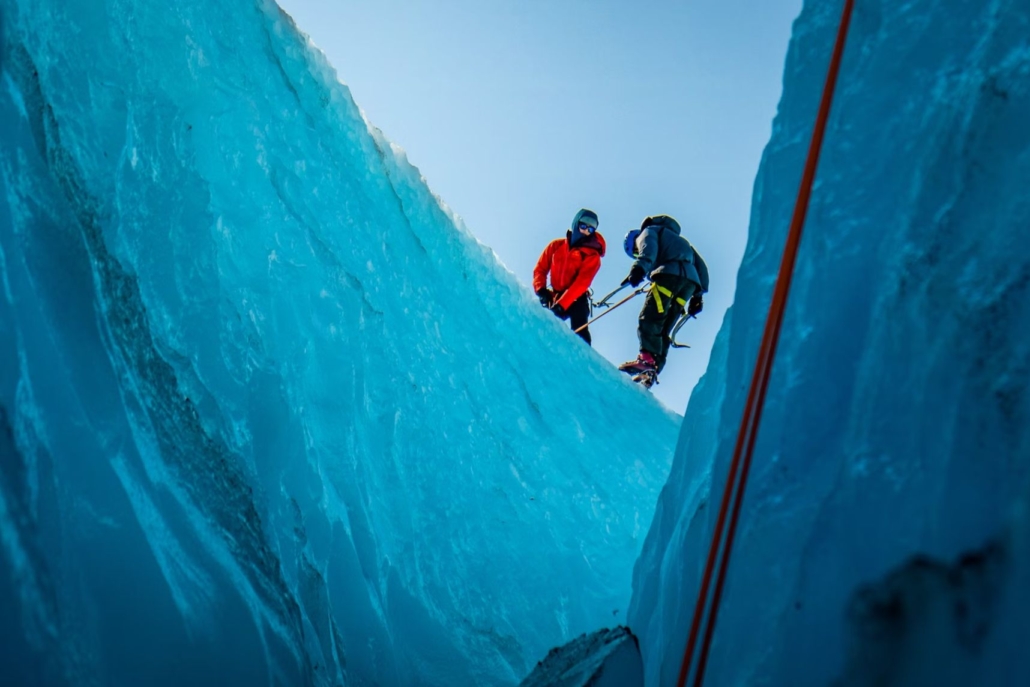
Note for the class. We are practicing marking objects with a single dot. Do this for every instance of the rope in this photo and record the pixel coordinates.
(627, 299)
(740, 466)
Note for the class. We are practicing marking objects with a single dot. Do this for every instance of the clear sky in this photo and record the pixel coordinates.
(520, 112)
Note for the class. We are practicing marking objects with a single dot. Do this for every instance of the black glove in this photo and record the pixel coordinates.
(545, 297)
(695, 305)
(636, 275)
(560, 312)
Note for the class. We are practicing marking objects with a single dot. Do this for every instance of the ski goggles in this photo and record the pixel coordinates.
(587, 227)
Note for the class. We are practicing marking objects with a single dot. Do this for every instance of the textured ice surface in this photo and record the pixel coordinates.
(926, 623)
(897, 421)
(268, 414)
(606, 658)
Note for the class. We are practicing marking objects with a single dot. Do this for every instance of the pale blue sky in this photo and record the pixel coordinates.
(519, 112)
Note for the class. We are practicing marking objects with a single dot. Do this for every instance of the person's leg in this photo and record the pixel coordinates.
(650, 324)
(579, 313)
(657, 318)
(680, 291)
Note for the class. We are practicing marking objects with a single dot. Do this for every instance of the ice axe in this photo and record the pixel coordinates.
(603, 303)
(625, 300)
(679, 325)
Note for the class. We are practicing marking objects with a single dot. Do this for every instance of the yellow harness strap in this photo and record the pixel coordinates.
(664, 292)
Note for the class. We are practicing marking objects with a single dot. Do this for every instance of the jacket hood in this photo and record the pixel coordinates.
(661, 221)
(590, 216)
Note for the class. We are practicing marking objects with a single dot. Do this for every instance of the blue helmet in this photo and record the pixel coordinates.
(630, 243)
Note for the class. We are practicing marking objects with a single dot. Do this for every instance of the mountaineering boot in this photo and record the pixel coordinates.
(644, 363)
(647, 378)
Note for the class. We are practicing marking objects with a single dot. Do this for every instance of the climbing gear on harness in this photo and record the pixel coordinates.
(662, 291)
(740, 465)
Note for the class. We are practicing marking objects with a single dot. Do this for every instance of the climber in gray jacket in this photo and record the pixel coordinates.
(679, 277)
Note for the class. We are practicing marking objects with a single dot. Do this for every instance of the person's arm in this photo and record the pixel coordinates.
(591, 263)
(543, 266)
(702, 270)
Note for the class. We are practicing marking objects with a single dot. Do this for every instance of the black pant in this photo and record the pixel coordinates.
(655, 323)
(579, 313)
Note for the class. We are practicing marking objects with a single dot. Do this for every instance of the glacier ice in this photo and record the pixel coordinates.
(268, 413)
(606, 658)
(895, 438)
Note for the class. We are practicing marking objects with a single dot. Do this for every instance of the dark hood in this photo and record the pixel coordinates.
(661, 221)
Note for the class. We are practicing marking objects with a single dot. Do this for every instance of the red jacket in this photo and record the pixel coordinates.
(572, 267)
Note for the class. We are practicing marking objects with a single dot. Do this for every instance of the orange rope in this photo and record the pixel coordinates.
(740, 465)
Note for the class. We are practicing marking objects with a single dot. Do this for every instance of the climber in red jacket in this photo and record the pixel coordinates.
(572, 263)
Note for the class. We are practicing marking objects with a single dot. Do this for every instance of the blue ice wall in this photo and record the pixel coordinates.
(268, 413)
(897, 422)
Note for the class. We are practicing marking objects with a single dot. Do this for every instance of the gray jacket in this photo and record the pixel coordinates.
(661, 249)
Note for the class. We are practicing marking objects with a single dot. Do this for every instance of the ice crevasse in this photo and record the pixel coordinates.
(245, 349)
(268, 413)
